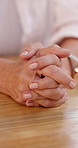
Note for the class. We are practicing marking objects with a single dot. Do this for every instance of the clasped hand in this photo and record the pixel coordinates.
(49, 79)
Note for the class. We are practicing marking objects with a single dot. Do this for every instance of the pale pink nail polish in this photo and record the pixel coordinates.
(33, 65)
(33, 85)
(24, 53)
(72, 84)
(27, 96)
(29, 104)
(65, 98)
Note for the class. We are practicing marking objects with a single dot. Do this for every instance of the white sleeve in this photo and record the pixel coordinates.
(66, 20)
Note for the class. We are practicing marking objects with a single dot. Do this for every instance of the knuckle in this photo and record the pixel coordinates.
(49, 94)
(67, 79)
(35, 96)
(53, 69)
(59, 103)
(50, 57)
(54, 59)
(60, 93)
(46, 103)
(47, 84)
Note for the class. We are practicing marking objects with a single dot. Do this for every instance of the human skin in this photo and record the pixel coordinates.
(15, 77)
(72, 45)
(44, 52)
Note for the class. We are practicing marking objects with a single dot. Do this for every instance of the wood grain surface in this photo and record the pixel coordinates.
(26, 127)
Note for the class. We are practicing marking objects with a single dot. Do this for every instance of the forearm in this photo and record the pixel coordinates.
(71, 44)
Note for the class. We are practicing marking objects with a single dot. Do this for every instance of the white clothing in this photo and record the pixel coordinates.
(46, 21)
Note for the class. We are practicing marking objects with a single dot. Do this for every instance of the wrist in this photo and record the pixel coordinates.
(72, 44)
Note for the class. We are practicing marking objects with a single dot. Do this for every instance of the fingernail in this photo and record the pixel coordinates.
(33, 66)
(65, 98)
(72, 84)
(33, 85)
(27, 96)
(24, 53)
(29, 103)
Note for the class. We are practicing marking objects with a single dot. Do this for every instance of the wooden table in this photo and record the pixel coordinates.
(25, 127)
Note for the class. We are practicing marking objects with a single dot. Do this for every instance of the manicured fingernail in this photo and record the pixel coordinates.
(33, 85)
(29, 103)
(33, 65)
(24, 53)
(72, 84)
(65, 98)
(27, 96)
